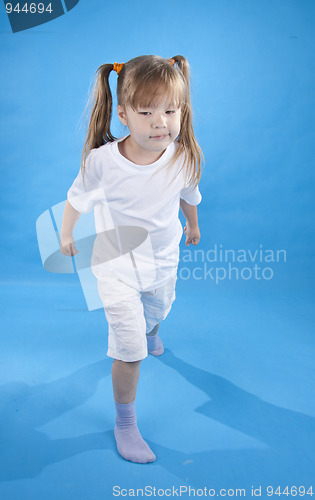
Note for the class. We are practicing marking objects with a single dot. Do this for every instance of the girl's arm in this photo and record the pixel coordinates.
(69, 220)
(191, 229)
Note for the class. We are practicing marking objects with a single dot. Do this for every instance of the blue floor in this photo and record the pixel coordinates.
(230, 404)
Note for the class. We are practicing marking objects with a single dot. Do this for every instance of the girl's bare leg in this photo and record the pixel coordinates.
(125, 378)
(155, 344)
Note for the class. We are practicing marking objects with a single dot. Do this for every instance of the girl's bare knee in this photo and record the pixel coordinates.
(127, 364)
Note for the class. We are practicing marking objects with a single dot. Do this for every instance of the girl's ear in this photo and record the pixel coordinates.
(122, 115)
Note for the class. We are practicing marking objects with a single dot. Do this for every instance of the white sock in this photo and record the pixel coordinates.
(130, 443)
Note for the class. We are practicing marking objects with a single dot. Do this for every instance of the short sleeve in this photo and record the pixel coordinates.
(190, 195)
(84, 196)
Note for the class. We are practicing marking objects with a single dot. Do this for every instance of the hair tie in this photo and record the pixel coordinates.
(117, 67)
(172, 61)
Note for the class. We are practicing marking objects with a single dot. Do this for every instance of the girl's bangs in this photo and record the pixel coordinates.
(153, 93)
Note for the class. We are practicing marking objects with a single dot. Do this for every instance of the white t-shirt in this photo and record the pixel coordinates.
(136, 214)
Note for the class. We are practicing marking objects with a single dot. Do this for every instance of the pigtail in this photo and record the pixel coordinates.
(187, 140)
(99, 125)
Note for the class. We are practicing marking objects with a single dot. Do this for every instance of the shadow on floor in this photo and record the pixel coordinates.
(288, 436)
(25, 451)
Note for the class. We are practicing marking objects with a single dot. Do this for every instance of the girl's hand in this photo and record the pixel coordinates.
(192, 234)
(67, 247)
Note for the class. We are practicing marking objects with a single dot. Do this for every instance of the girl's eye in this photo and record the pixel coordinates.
(145, 113)
(170, 111)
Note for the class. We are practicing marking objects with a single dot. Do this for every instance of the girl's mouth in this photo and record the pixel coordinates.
(159, 136)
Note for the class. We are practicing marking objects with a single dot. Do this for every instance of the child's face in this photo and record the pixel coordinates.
(152, 128)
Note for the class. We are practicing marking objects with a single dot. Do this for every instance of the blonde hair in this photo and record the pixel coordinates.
(139, 83)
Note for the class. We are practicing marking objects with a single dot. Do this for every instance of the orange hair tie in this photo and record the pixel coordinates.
(172, 61)
(118, 67)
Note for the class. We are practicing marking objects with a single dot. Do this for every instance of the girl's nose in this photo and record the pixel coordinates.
(159, 121)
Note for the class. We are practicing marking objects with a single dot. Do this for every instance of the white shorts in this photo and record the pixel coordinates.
(131, 314)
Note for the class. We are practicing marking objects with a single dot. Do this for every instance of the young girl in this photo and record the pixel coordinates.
(135, 185)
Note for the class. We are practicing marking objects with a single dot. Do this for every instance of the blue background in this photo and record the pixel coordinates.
(231, 403)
